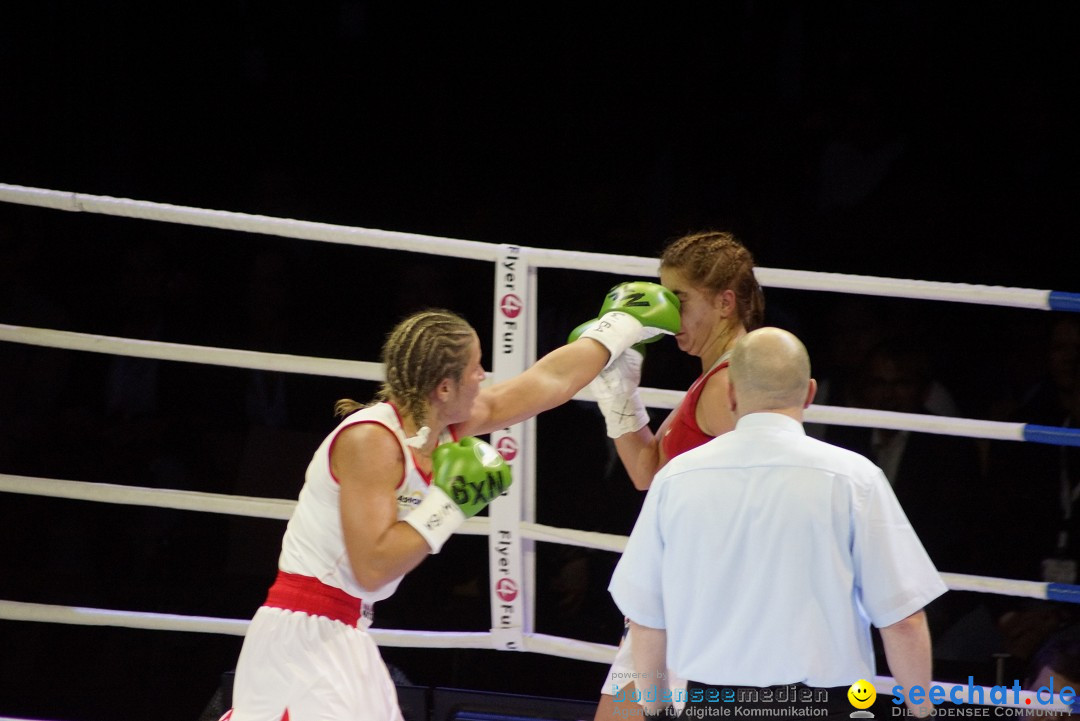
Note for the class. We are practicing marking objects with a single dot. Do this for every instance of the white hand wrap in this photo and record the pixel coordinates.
(436, 518)
(617, 331)
(616, 392)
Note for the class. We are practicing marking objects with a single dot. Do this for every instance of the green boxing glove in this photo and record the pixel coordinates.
(651, 303)
(633, 313)
(465, 477)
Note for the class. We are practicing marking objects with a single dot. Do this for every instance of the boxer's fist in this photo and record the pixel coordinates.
(470, 472)
(632, 313)
(465, 477)
(651, 303)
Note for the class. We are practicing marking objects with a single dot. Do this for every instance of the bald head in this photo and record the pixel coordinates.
(770, 371)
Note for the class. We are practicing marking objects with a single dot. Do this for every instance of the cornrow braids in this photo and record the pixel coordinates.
(419, 352)
(719, 262)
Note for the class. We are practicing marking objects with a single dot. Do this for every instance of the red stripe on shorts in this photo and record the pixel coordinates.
(293, 592)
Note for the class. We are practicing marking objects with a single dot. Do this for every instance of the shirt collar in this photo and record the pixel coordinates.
(765, 419)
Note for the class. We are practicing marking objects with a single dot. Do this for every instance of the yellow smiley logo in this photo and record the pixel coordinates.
(862, 694)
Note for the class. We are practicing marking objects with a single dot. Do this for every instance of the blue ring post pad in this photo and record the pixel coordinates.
(1054, 435)
(1060, 300)
(1063, 592)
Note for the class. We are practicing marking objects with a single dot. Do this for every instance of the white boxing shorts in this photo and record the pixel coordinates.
(621, 673)
(297, 666)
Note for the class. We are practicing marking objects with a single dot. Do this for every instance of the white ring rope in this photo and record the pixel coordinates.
(281, 509)
(157, 350)
(243, 222)
(81, 616)
(653, 397)
(538, 257)
(535, 643)
(904, 288)
(922, 423)
(272, 508)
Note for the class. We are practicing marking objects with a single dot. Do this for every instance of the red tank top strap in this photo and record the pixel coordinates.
(684, 432)
(304, 594)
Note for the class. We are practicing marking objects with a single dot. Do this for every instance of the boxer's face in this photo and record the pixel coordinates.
(699, 312)
(468, 387)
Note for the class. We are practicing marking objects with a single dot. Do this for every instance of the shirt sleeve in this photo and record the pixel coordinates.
(893, 573)
(635, 585)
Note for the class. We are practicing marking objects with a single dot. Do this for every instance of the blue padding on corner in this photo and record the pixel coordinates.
(1060, 300)
(1053, 435)
(1063, 592)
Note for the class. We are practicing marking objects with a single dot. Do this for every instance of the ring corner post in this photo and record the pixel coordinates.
(511, 329)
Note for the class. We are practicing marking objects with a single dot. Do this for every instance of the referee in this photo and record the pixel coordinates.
(761, 558)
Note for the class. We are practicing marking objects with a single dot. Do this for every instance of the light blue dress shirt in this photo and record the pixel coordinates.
(766, 554)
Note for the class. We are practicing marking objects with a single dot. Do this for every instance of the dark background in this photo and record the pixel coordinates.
(908, 139)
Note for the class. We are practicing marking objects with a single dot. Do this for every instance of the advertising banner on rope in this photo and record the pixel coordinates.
(509, 358)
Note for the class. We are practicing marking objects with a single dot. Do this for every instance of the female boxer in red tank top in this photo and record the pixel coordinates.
(712, 275)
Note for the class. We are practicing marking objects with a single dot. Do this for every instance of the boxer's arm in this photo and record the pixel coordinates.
(628, 318)
(550, 382)
(366, 460)
(641, 453)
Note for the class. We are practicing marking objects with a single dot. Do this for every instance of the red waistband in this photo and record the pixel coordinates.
(293, 592)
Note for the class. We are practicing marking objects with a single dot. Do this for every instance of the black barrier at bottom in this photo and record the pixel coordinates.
(421, 703)
(449, 704)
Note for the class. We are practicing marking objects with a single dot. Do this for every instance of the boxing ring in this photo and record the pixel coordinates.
(510, 527)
